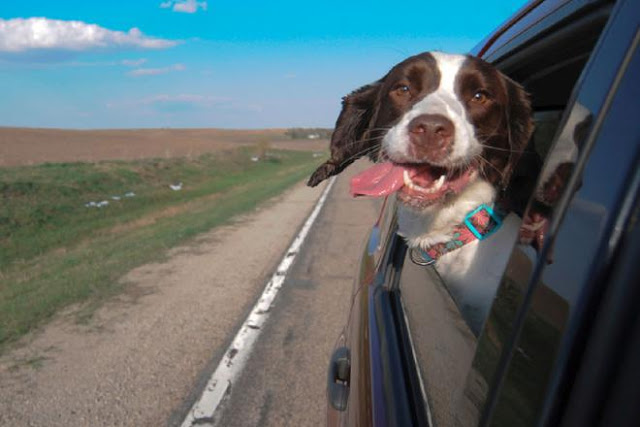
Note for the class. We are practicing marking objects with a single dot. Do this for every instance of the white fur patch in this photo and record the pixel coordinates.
(443, 101)
(435, 224)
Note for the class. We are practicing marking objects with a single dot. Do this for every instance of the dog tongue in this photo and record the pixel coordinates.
(379, 180)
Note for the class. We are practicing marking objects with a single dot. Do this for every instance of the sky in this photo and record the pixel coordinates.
(226, 64)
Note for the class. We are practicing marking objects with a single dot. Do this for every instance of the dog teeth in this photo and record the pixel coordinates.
(438, 184)
(407, 179)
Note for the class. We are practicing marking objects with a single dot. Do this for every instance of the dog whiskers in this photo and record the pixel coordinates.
(490, 147)
(497, 148)
(486, 162)
(360, 141)
(360, 153)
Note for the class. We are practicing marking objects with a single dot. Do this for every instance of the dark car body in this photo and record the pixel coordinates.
(561, 342)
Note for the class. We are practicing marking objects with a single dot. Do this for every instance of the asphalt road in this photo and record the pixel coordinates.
(284, 381)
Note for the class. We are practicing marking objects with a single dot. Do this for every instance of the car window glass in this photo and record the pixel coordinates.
(576, 255)
(514, 285)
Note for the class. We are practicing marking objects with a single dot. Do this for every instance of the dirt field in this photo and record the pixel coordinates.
(29, 146)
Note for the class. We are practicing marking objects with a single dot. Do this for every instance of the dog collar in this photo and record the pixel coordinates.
(478, 224)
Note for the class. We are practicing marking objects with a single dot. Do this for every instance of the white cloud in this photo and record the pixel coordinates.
(19, 35)
(155, 71)
(184, 6)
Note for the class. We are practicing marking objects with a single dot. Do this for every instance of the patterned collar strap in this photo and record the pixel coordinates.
(479, 224)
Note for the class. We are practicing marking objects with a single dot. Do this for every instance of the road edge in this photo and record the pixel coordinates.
(218, 387)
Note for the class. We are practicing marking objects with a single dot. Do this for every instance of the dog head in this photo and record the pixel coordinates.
(442, 120)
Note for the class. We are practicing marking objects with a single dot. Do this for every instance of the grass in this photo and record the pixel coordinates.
(55, 251)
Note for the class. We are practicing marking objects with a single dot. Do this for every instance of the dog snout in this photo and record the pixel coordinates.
(431, 129)
(431, 137)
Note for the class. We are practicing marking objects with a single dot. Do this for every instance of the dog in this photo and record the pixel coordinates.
(446, 132)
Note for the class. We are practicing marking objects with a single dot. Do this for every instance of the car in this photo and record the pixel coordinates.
(560, 343)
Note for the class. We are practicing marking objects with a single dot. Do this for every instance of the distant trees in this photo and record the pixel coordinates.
(309, 133)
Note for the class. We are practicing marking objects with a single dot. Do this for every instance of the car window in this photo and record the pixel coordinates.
(455, 346)
(581, 247)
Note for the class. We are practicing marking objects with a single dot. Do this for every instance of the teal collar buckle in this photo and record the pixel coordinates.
(472, 228)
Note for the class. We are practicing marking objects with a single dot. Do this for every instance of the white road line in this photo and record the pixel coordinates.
(218, 387)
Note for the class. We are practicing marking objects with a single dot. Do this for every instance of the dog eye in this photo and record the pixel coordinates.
(480, 97)
(402, 90)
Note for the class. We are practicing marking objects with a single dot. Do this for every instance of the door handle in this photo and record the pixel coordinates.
(338, 378)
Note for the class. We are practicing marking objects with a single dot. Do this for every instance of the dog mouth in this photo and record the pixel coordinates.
(417, 185)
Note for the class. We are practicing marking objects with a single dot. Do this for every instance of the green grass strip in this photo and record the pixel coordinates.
(94, 255)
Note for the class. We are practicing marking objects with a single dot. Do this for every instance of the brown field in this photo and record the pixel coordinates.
(29, 146)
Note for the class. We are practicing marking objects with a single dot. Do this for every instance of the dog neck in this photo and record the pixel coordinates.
(435, 224)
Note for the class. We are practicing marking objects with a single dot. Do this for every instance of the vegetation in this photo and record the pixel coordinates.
(58, 248)
(309, 133)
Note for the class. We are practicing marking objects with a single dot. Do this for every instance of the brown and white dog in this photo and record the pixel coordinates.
(446, 132)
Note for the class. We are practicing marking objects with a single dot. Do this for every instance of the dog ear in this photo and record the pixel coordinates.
(519, 125)
(349, 140)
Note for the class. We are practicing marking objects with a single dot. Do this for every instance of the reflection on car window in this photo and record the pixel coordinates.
(443, 342)
(552, 309)
(576, 255)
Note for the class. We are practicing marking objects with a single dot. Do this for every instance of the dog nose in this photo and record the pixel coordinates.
(431, 131)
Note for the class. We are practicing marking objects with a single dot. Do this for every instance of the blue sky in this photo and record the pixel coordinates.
(231, 64)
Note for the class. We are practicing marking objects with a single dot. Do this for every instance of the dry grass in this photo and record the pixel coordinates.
(30, 146)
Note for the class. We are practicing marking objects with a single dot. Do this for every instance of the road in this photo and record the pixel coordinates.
(144, 357)
(285, 381)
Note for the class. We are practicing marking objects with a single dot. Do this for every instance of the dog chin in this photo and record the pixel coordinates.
(419, 204)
